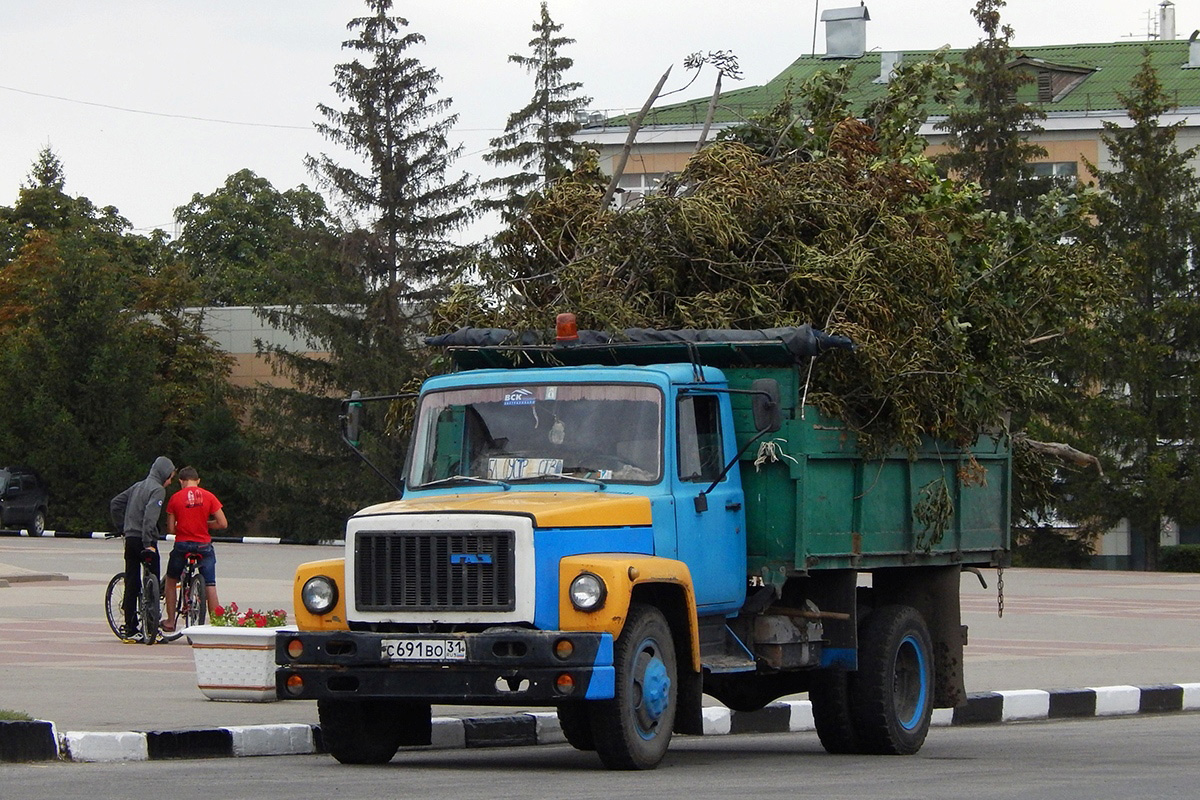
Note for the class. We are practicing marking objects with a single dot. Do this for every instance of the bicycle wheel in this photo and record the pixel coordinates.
(150, 608)
(197, 609)
(114, 598)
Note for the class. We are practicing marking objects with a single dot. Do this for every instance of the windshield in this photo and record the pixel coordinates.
(558, 432)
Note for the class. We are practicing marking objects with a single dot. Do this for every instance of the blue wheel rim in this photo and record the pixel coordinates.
(911, 683)
(652, 686)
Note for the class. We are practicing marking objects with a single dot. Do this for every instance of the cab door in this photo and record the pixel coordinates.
(711, 533)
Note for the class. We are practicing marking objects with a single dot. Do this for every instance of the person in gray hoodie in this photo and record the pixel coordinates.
(135, 513)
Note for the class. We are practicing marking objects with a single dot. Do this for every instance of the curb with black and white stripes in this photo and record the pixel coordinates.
(39, 740)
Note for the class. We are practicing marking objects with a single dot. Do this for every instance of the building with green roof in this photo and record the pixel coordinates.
(1078, 86)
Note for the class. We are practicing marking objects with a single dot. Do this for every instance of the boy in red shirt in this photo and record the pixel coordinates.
(191, 513)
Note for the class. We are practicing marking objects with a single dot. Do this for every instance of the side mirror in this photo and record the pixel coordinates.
(352, 418)
(768, 416)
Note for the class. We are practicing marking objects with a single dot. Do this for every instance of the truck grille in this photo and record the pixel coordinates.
(434, 571)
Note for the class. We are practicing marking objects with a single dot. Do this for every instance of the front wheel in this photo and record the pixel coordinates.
(632, 730)
(150, 608)
(114, 598)
(197, 604)
(891, 698)
(575, 719)
(370, 731)
(829, 693)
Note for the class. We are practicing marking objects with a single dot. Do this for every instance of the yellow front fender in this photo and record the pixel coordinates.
(621, 572)
(335, 620)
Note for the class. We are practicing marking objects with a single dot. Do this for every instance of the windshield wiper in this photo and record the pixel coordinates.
(467, 479)
(563, 476)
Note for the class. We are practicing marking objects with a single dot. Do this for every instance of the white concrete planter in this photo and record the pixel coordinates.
(235, 663)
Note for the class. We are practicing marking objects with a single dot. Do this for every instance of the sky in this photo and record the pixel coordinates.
(149, 102)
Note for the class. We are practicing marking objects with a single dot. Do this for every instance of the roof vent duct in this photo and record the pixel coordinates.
(845, 32)
(889, 63)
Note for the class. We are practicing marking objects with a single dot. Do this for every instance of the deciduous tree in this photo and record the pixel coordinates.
(249, 244)
(99, 371)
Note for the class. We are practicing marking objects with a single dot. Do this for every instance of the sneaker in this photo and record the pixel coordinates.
(131, 637)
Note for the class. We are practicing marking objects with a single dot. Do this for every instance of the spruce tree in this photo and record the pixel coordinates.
(401, 210)
(989, 131)
(1143, 363)
(395, 122)
(537, 138)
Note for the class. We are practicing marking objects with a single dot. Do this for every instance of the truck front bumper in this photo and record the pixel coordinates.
(508, 666)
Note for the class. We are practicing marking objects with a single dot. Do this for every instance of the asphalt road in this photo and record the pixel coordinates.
(60, 662)
(1144, 757)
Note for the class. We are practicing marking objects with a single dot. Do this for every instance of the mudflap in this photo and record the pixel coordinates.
(689, 718)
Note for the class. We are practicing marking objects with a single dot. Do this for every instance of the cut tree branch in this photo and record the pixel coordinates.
(636, 123)
(1066, 453)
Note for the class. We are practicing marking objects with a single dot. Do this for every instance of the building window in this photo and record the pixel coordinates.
(1055, 169)
(633, 186)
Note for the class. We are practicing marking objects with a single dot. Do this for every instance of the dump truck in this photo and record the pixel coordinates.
(616, 528)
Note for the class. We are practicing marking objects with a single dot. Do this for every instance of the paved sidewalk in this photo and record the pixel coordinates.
(1061, 630)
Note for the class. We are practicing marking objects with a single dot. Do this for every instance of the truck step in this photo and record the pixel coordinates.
(721, 650)
(728, 663)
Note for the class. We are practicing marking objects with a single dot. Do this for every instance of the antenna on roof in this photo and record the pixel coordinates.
(816, 5)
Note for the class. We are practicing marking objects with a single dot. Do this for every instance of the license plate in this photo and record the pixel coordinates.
(424, 649)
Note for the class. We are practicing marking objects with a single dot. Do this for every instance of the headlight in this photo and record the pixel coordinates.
(588, 592)
(319, 595)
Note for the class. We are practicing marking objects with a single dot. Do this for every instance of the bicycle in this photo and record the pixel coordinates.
(191, 602)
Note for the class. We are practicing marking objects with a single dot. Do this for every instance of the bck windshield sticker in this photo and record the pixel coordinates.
(519, 397)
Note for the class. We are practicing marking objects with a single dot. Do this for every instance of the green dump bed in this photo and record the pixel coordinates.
(812, 501)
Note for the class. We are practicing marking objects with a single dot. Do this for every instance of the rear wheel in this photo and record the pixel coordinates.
(576, 721)
(197, 608)
(891, 697)
(182, 602)
(114, 597)
(633, 729)
(370, 731)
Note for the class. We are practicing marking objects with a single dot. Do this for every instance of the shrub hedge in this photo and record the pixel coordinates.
(1181, 558)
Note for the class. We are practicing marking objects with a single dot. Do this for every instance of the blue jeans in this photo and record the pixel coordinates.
(208, 560)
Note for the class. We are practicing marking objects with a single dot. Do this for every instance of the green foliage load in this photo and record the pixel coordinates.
(955, 309)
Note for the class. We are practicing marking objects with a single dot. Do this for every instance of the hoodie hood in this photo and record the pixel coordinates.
(161, 470)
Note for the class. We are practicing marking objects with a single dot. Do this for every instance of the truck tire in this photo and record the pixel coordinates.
(632, 730)
(575, 719)
(829, 693)
(370, 731)
(891, 695)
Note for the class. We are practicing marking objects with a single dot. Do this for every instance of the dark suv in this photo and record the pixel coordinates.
(23, 497)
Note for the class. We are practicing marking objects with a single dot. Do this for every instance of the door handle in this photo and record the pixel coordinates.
(732, 506)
